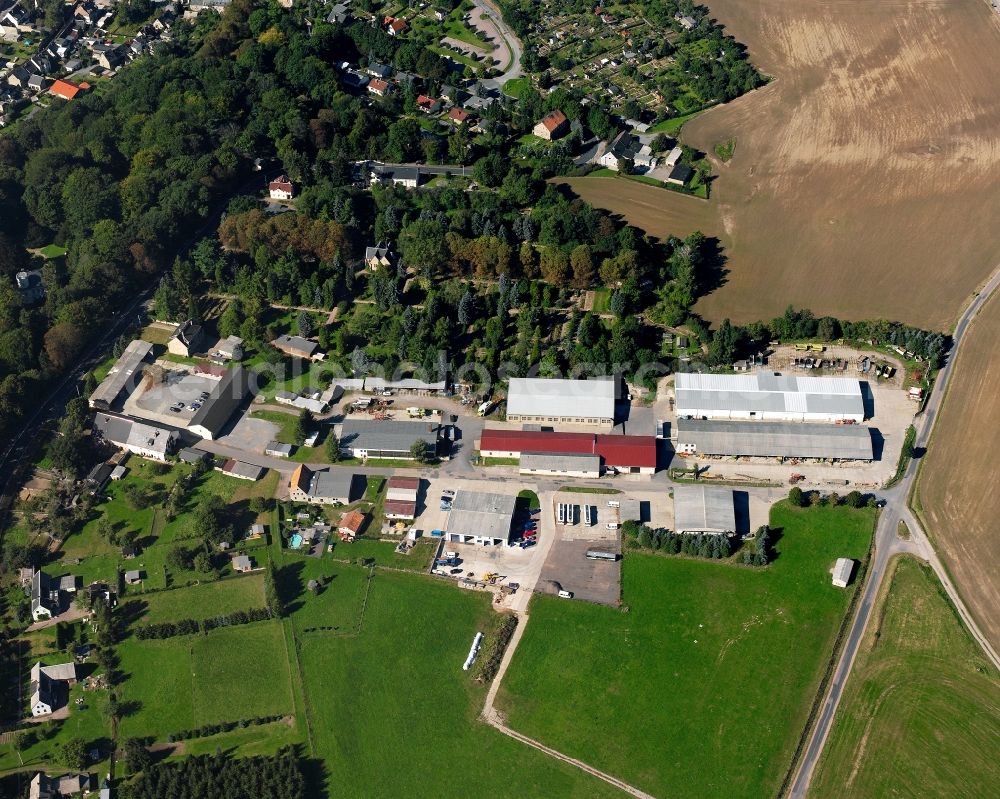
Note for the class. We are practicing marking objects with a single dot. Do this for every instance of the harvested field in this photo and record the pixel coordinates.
(867, 174)
(660, 212)
(961, 465)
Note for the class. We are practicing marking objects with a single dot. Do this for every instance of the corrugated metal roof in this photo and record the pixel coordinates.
(566, 462)
(533, 396)
(128, 364)
(776, 439)
(397, 436)
(704, 509)
(624, 451)
(481, 514)
(768, 392)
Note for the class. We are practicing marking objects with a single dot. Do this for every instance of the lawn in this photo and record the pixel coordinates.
(672, 126)
(286, 423)
(703, 686)
(384, 553)
(193, 680)
(51, 251)
(516, 87)
(920, 715)
(205, 600)
(393, 714)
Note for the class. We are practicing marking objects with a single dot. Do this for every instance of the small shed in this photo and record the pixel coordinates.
(242, 563)
(842, 572)
(133, 577)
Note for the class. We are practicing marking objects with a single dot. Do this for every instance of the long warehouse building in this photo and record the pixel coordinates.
(847, 442)
(769, 396)
(536, 400)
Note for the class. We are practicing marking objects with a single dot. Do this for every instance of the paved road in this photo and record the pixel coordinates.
(888, 544)
(514, 44)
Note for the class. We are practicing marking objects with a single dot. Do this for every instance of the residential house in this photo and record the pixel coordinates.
(686, 22)
(230, 348)
(354, 80)
(37, 83)
(256, 532)
(406, 176)
(42, 786)
(552, 126)
(29, 286)
(298, 347)
(340, 14)
(48, 687)
(379, 256)
(187, 339)
(379, 87)
(111, 58)
(242, 564)
(281, 188)
(68, 91)
(626, 149)
(46, 601)
(18, 77)
(458, 116)
(139, 438)
(350, 525)
(428, 104)
(379, 70)
(395, 26)
(323, 486)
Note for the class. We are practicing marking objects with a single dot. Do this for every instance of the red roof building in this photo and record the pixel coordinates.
(396, 27)
(459, 116)
(67, 91)
(635, 454)
(427, 104)
(281, 188)
(350, 525)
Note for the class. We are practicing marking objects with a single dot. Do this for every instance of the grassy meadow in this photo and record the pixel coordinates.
(701, 687)
(920, 715)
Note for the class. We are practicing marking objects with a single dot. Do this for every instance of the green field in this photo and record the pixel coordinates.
(383, 553)
(391, 711)
(205, 600)
(920, 715)
(188, 681)
(703, 686)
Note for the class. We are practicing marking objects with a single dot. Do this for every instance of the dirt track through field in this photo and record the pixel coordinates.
(866, 180)
(962, 467)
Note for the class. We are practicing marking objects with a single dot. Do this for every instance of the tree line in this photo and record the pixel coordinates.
(170, 629)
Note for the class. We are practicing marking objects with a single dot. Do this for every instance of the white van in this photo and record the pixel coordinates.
(612, 525)
(566, 594)
(450, 554)
(614, 503)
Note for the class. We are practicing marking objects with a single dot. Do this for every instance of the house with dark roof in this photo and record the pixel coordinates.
(139, 438)
(324, 486)
(298, 347)
(680, 175)
(340, 14)
(367, 438)
(379, 70)
(380, 256)
(29, 286)
(187, 339)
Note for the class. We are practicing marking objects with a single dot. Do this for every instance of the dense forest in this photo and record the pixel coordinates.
(276, 777)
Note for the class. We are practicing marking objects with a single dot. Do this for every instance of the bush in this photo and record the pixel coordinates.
(797, 497)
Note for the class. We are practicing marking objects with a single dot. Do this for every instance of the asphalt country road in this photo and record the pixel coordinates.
(514, 67)
(887, 544)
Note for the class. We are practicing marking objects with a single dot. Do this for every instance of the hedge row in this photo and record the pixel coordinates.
(215, 729)
(169, 629)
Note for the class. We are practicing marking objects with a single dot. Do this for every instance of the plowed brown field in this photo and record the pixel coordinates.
(866, 180)
(957, 485)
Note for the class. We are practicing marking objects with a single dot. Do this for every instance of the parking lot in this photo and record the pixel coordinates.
(174, 401)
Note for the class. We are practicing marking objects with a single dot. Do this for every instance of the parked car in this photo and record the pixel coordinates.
(527, 542)
(566, 594)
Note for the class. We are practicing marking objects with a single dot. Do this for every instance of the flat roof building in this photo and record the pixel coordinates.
(480, 518)
(769, 396)
(560, 465)
(222, 402)
(559, 401)
(128, 368)
(368, 438)
(704, 509)
(774, 440)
